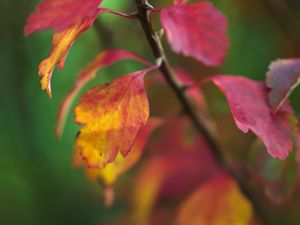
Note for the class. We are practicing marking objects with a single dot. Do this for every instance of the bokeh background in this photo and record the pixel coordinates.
(38, 184)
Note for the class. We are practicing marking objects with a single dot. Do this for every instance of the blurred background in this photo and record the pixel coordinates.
(38, 184)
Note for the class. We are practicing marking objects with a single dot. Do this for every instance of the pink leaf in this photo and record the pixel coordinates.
(60, 14)
(197, 30)
(282, 77)
(248, 101)
(192, 90)
(186, 80)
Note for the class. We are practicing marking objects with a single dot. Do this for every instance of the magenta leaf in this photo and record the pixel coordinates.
(283, 76)
(60, 15)
(248, 101)
(197, 30)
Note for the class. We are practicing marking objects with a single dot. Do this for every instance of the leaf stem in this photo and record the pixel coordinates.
(124, 15)
(154, 41)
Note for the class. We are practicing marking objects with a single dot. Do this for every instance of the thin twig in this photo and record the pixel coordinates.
(165, 68)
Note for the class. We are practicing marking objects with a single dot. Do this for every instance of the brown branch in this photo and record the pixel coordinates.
(153, 38)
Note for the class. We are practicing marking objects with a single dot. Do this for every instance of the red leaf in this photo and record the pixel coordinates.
(102, 60)
(248, 101)
(197, 30)
(60, 14)
(283, 76)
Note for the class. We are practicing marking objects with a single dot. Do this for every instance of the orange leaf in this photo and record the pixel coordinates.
(61, 44)
(102, 60)
(218, 202)
(112, 114)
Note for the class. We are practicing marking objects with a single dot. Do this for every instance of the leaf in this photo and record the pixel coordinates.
(248, 101)
(177, 136)
(102, 60)
(298, 148)
(179, 159)
(194, 93)
(197, 30)
(61, 14)
(110, 173)
(185, 80)
(166, 178)
(112, 115)
(218, 202)
(180, 1)
(283, 76)
(192, 90)
(121, 164)
(298, 156)
(61, 44)
(276, 177)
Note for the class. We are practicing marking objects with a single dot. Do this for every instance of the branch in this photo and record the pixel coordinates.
(143, 8)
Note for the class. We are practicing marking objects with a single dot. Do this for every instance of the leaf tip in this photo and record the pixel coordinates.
(109, 196)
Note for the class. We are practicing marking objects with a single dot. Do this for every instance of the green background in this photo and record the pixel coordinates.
(38, 184)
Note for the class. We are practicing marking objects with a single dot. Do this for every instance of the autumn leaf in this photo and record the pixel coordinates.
(283, 76)
(186, 81)
(248, 101)
(68, 19)
(121, 164)
(219, 201)
(178, 136)
(276, 177)
(298, 157)
(60, 15)
(197, 30)
(177, 161)
(113, 170)
(102, 60)
(179, 1)
(167, 177)
(112, 115)
(61, 44)
(192, 90)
